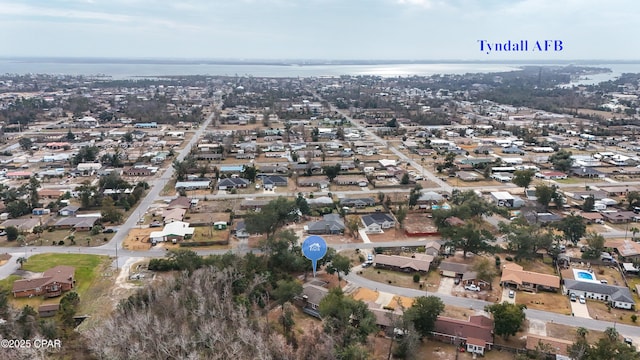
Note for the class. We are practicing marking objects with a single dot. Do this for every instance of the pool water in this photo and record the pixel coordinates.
(585, 275)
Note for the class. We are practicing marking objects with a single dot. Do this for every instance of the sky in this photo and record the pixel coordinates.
(318, 29)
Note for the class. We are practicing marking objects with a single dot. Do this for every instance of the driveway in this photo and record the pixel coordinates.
(506, 298)
(446, 286)
(580, 310)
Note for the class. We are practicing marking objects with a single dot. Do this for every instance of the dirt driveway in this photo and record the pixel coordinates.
(446, 286)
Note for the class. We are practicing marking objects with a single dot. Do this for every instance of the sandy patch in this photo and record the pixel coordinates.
(400, 301)
(537, 327)
(365, 294)
(138, 239)
(384, 298)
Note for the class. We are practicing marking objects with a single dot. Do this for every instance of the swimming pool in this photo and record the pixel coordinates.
(583, 275)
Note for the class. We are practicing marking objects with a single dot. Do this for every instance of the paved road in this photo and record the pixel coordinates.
(154, 193)
(599, 325)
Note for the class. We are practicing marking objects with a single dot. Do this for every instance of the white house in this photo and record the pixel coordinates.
(617, 296)
(375, 223)
(177, 230)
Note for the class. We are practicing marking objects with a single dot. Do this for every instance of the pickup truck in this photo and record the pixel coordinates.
(471, 287)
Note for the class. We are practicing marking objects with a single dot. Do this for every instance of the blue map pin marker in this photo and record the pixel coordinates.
(314, 248)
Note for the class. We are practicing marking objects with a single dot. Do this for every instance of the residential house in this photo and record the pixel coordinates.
(193, 185)
(40, 211)
(513, 275)
(418, 262)
(503, 198)
(174, 214)
(618, 217)
(241, 230)
(255, 205)
(551, 175)
(330, 224)
(181, 202)
(429, 198)
(358, 203)
(533, 217)
(432, 248)
(476, 333)
(375, 223)
(618, 190)
(616, 296)
(52, 283)
(468, 176)
(77, 223)
(351, 180)
(453, 269)
(50, 193)
(18, 174)
(269, 182)
(23, 225)
(232, 183)
(587, 172)
(311, 297)
(138, 171)
(624, 248)
(175, 231)
(69, 210)
(88, 169)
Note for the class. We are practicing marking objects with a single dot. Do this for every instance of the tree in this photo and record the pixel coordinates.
(286, 290)
(21, 260)
(573, 228)
(525, 240)
(633, 200)
(303, 205)
(271, 217)
(353, 224)
(12, 233)
(561, 160)
(70, 136)
(401, 215)
(634, 230)
(38, 229)
(68, 307)
(424, 313)
(25, 143)
(468, 238)
(346, 320)
(185, 259)
(485, 270)
(331, 171)
(109, 212)
(588, 204)
(250, 173)
(507, 318)
(544, 194)
(523, 178)
(87, 194)
(339, 264)
(595, 243)
(32, 187)
(414, 195)
(18, 208)
(405, 179)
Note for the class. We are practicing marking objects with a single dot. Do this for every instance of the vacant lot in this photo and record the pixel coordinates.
(569, 333)
(429, 282)
(553, 302)
(138, 239)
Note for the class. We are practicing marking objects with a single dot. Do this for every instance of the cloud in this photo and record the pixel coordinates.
(426, 4)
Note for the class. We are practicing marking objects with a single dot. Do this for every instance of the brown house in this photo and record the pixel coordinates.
(48, 310)
(52, 283)
(476, 333)
(50, 193)
(618, 217)
(515, 276)
(420, 262)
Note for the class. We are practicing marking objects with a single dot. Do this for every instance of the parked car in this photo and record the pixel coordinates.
(582, 299)
(573, 297)
(108, 231)
(603, 281)
(3, 233)
(512, 294)
(471, 287)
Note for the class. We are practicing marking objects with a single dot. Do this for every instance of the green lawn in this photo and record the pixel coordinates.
(88, 271)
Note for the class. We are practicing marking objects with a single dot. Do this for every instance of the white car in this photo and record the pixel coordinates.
(471, 287)
(582, 300)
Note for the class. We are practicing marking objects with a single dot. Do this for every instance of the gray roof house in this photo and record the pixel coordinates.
(374, 223)
(232, 183)
(330, 224)
(311, 297)
(358, 203)
(617, 296)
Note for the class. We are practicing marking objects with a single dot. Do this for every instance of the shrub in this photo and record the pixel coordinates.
(634, 317)
(416, 278)
(361, 258)
(105, 239)
(61, 242)
(508, 258)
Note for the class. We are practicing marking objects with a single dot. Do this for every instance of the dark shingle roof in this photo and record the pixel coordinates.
(616, 293)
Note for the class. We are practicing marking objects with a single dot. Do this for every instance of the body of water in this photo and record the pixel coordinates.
(124, 70)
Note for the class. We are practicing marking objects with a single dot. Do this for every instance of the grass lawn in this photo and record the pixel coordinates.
(80, 237)
(88, 268)
(546, 301)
